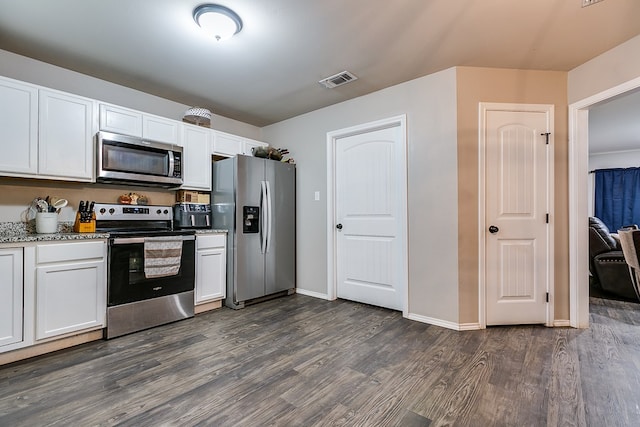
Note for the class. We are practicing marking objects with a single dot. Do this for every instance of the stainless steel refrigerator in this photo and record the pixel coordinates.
(254, 199)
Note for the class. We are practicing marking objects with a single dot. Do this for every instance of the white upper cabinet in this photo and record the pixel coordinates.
(196, 157)
(249, 144)
(136, 123)
(229, 145)
(120, 120)
(45, 133)
(226, 144)
(160, 129)
(19, 124)
(66, 129)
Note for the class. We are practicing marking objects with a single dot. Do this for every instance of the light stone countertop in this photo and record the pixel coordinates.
(20, 232)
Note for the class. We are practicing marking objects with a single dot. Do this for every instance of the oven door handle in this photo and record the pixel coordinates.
(134, 240)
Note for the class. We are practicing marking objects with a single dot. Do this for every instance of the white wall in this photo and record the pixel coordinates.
(430, 105)
(614, 67)
(29, 70)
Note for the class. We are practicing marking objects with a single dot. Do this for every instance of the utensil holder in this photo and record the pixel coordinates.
(46, 222)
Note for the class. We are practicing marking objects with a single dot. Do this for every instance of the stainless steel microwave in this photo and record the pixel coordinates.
(128, 159)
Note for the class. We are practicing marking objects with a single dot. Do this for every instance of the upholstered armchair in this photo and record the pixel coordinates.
(630, 242)
(607, 263)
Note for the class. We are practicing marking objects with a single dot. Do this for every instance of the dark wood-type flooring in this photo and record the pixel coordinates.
(300, 361)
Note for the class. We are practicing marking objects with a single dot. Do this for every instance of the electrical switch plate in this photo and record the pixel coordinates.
(590, 2)
(316, 196)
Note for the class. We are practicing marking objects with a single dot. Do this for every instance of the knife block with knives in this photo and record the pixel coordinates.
(85, 218)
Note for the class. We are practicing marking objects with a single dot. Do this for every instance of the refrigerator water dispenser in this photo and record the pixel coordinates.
(250, 219)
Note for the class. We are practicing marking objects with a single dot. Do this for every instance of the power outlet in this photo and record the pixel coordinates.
(586, 3)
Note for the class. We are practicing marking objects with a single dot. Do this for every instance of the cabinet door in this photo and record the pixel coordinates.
(70, 297)
(11, 292)
(196, 158)
(120, 120)
(160, 129)
(211, 274)
(226, 144)
(19, 125)
(249, 144)
(66, 145)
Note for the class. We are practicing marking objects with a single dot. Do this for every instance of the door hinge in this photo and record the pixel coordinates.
(546, 135)
(547, 296)
(547, 219)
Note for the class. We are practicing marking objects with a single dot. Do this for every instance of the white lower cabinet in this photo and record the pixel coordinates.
(70, 288)
(211, 267)
(11, 296)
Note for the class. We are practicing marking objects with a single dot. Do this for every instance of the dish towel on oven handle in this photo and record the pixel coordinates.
(162, 256)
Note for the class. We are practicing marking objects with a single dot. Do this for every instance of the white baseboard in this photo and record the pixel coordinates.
(468, 326)
(312, 294)
(561, 323)
(444, 323)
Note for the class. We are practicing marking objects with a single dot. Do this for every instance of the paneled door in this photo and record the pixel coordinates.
(517, 214)
(370, 210)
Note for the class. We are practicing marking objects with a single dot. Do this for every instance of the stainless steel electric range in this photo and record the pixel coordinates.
(151, 267)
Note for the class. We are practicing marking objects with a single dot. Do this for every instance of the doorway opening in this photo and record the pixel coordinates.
(579, 200)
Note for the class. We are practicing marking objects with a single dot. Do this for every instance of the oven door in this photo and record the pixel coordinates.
(127, 281)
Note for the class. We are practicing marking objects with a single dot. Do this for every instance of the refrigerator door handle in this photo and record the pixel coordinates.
(269, 216)
(263, 208)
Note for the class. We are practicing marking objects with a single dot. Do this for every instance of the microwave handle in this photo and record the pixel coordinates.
(172, 163)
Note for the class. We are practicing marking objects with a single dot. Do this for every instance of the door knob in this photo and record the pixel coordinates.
(493, 229)
(339, 226)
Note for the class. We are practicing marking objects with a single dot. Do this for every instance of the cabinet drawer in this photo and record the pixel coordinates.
(211, 241)
(57, 252)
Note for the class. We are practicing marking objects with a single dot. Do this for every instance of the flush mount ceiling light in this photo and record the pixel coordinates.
(219, 21)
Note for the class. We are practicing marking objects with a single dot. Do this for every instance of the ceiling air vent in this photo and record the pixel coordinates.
(338, 79)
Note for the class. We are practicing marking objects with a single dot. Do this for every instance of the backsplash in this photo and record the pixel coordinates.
(18, 193)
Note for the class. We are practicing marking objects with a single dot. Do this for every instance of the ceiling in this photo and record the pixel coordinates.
(270, 70)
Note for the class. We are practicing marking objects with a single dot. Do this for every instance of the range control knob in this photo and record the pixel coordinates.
(166, 211)
(102, 211)
(112, 211)
(159, 211)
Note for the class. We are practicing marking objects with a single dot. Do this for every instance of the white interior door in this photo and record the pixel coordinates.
(517, 203)
(370, 211)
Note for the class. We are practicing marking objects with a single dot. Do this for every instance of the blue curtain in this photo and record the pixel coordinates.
(617, 197)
